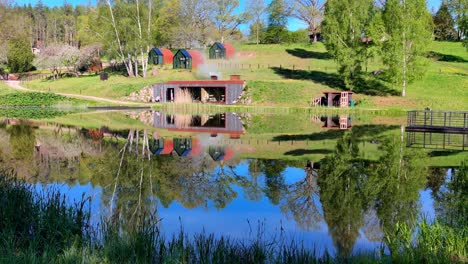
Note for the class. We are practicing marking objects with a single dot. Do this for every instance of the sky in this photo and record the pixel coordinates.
(293, 24)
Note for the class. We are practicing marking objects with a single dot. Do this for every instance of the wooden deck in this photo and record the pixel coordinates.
(438, 129)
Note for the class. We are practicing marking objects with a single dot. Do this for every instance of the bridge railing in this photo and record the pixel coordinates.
(438, 119)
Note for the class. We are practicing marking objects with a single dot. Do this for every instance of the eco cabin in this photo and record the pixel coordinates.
(160, 56)
(220, 51)
(187, 59)
(203, 91)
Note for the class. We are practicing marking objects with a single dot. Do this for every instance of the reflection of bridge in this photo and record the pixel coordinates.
(438, 129)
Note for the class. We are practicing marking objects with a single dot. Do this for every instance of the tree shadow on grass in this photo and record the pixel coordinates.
(332, 80)
(365, 84)
(301, 152)
(445, 57)
(373, 86)
(307, 54)
(358, 131)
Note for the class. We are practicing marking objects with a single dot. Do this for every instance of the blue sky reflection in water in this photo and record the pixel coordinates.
(241, 218)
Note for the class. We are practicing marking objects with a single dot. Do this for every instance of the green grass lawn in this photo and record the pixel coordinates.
(293, 74)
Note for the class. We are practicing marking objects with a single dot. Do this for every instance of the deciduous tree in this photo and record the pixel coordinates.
(311, 12)
(278, 12)
(345, 24)
(408, 33)
(257, 10)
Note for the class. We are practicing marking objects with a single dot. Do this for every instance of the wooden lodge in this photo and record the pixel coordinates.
(221, 51)
(160, 56)
(205, 91)
(187, 59)
(334, 99)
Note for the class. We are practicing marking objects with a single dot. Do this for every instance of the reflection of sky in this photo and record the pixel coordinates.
(241, 218)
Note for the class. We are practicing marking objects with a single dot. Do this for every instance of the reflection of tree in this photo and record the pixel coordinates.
(341, 179)
(22, 140)
(274, 179)
(253, 190)
(301, 200)
(452, 202)
(436, 179)
(399, 175)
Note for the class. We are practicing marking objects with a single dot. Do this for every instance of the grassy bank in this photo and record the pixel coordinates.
(291, 75)
(42, 228)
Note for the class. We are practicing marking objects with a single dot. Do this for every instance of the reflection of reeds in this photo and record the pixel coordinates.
(183, 96)
(183, 121)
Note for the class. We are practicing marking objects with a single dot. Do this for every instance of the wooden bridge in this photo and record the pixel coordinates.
(438, 129)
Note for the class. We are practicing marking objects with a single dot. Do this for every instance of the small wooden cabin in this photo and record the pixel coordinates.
(160, 56)
(187, 59)
(221, 51)
(336, 99)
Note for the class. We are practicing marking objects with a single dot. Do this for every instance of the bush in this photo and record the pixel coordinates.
(19, 55)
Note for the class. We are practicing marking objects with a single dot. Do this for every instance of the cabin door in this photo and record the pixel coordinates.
(170, 95)
(344, 99)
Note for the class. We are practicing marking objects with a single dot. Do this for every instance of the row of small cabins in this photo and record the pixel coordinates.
(189, 59)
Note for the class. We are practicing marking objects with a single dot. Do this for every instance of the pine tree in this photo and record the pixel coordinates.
(344, 27)
(443, 24)
(409, 28)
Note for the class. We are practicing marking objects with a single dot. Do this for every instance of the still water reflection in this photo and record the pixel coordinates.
(332, 186)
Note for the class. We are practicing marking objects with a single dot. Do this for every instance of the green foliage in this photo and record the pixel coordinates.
(276, 31)
(409, 29)
(20, 56)
(34, 225)
(343, 28)
(32, 99)
(34, 113)
(433, 243)
(444, 24)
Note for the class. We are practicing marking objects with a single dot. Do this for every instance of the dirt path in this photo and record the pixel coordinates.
(17, 86)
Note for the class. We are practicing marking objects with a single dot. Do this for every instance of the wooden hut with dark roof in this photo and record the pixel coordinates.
(187, 59)
(221, 51)
(160, 56)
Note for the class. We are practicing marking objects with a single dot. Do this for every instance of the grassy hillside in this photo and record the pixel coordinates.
(291, 75)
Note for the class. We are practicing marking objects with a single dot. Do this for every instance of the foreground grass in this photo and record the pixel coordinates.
(42, 228)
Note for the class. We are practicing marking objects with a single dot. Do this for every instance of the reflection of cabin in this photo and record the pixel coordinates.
(156, 146)
(336, 122)
(227, 123)
(182, 146)
(221, 51)
(161, 146)
(337, 99)
(160, 56)
(219, 153)
(187, 59)
(204, 91)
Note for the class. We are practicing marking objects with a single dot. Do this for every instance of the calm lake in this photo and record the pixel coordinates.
(334, 183)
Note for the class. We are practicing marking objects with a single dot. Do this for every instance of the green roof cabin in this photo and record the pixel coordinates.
(160, 56)
(221, 51)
